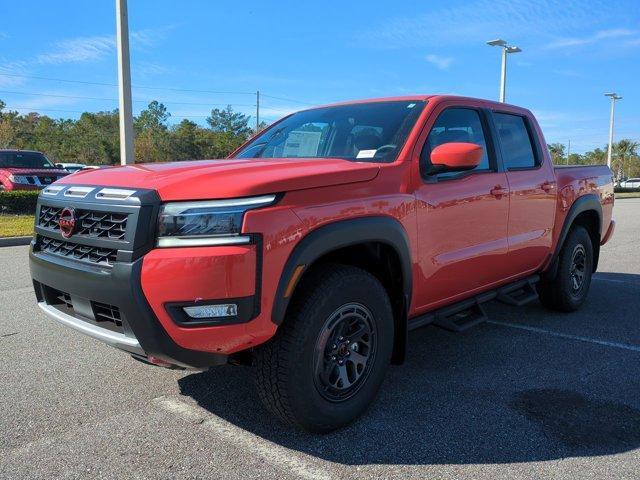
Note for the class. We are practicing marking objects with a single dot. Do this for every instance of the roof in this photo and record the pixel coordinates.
(417, 97)
(17, 150)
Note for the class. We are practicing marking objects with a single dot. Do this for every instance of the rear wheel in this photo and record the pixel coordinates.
(327, 361)
(568, 290)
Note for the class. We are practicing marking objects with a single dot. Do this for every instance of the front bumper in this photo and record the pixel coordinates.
(72, 292)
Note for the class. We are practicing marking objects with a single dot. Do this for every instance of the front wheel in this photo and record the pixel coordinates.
(568, 290)
(327, 361)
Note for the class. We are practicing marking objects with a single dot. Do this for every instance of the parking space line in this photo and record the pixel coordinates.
(278, 456)
(604, 343)
(613, 280)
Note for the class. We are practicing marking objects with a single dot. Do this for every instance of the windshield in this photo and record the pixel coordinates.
(24, 160)
(367, 132)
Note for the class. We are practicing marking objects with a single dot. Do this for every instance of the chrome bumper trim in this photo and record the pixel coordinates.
(114, 339)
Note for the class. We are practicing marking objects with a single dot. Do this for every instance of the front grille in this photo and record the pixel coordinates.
(105, 256)
(47, 180)
(90, 223)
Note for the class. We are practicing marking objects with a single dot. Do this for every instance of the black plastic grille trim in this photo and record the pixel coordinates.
(109, 313)
(105, 256)
(91, 223)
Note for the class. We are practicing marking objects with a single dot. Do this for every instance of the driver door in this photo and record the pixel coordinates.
(461, 216)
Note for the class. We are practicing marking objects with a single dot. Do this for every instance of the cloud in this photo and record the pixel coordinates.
(150, 37)
(481, 20)
(86, 49)
(12, 72)
(601, 35)
(43, 102)
(151, 69)
(443, 63)
(77, 50)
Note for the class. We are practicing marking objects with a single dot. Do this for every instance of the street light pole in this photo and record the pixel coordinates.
(257, 111)
(503, 72)
(503, 75)
(124, 84)
(614, 96)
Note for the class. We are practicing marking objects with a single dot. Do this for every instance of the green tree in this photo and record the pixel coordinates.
(7, 133)
(597, 156)
(230, 122)
(154, 117)
(152, 143)
(624, 152)
(557, 153)
(184, 139)
(93, 138)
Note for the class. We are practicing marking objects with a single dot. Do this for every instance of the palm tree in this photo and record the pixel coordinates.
(623, 150)
(557, 153)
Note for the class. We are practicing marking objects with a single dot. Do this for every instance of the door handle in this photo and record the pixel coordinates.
(498, 191)
(548, 186)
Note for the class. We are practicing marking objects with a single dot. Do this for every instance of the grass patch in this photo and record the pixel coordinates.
(628, 195)
(16, 225)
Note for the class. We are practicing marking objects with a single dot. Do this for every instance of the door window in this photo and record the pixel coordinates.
(455, 125)
(517, 149)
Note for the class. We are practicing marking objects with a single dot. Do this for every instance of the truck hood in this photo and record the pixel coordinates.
(41, 172)
(209, 179)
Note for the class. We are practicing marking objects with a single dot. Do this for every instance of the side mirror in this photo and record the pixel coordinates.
(455, 157)
(59, 165)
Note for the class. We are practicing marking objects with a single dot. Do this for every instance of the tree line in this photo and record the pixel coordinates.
(625, 161)
(93, 139)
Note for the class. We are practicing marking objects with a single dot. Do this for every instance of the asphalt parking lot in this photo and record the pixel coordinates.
(529, 394)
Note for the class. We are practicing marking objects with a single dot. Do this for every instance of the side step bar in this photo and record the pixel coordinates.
(468, 313)
(519, 293)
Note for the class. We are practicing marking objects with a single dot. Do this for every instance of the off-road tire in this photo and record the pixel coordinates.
(285, 366)
(560, 293)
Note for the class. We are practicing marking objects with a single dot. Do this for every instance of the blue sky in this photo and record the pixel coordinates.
(313, 53)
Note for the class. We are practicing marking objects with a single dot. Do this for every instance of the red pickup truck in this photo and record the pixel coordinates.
(313, 250)
(27, 170)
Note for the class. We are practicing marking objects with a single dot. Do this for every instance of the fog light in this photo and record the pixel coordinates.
(212, 311)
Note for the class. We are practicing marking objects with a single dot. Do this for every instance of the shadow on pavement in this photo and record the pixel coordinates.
(488, 395)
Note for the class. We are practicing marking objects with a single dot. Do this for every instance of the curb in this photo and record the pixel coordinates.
(15, 241)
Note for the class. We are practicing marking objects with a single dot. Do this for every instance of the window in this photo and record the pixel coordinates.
(517, 150)
(24, 159)
(362, 132)
(455, 125)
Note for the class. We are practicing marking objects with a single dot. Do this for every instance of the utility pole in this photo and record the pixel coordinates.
(506, 49)
(257, 111)
(124, 85)
(568, 151)
(614, 96)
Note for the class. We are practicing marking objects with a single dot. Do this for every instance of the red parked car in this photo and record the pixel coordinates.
(313, 250)
(27, 170)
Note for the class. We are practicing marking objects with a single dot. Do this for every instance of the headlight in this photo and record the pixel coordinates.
(19, 179)
(213, 222)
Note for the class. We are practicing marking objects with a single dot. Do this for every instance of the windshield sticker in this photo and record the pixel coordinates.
(366, 153)
(302, 144)
(411, 105)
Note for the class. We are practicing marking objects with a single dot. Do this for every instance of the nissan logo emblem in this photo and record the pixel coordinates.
(67, 222)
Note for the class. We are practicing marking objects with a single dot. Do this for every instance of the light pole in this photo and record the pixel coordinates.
(614, 96)
(503, 73)
(257, 111)
(124, 84)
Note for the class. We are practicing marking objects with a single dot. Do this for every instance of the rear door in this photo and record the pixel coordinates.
(461, 217)
(533, 190)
